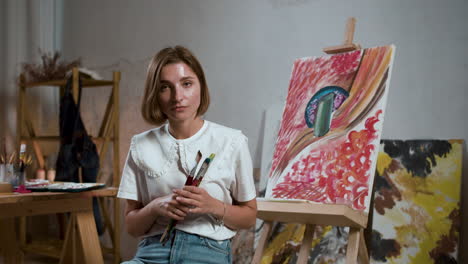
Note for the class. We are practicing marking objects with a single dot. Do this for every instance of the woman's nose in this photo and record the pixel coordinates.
(177, 94)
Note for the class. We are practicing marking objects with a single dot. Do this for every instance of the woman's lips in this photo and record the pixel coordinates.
(179, 108)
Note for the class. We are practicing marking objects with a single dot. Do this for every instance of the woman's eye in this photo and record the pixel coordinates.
(164, 87)
(187, 84)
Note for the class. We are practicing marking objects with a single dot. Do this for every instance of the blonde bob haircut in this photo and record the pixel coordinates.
(150, 108)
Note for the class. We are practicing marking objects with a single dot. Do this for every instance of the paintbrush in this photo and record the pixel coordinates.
(4, 154)
(12, 157)
(191, 181)
(27, 160)
(22, 157)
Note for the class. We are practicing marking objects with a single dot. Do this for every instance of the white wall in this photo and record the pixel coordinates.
(247, 49)
(27, 26)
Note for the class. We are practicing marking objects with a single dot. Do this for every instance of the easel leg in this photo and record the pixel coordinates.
(306, 243)
(107, 222)
(363, 254)
(353, 245)
(116, 230)
(257, 258)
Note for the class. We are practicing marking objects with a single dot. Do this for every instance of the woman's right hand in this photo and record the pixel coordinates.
(168, 206)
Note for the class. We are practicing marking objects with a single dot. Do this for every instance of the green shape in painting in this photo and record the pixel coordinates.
(324, 115)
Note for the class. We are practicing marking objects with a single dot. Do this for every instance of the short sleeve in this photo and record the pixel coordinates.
(243, 188)
(128, 184)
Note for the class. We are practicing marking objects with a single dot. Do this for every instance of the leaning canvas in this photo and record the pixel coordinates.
(328, 140)
(416, 215)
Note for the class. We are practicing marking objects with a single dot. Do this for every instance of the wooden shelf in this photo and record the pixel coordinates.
(57, 138)
(58, 83)
(50, 248)
(108, 136)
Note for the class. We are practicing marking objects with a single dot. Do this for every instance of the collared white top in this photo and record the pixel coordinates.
(157, 163)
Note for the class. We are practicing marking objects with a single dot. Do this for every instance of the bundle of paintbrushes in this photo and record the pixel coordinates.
(7, 159)
(192, 180)
(23, 162)
(4, 158)
(3, 161)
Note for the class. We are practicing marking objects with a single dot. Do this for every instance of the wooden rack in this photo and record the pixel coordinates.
(108, 134)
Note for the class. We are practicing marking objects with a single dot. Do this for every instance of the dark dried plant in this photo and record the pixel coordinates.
(50, 68)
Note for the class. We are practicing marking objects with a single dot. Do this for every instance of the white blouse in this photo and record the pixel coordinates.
(157, 163)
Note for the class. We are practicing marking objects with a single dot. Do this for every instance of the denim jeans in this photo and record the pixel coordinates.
(183, 248)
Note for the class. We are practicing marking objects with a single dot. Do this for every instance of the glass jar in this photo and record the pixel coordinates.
(10, 174)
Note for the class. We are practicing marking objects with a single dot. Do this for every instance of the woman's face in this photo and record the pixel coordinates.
(179, 94)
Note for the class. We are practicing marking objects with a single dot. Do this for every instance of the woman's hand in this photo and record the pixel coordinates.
(240, 215)
(198, 200)
(168, 206)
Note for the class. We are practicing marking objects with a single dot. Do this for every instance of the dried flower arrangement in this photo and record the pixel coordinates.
(50, 68)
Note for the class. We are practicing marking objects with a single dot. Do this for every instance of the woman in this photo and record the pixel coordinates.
(160, 160)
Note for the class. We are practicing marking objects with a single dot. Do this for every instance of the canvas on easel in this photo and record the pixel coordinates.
(328, 141)
(325, 154)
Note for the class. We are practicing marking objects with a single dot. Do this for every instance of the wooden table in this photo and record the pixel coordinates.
(84, 249)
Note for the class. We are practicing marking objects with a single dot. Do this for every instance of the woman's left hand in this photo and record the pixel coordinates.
(198, 199)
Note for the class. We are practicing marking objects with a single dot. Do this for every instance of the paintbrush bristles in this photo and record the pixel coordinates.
(22, 158)
(4, 154)
(12, 157)
(28, 160)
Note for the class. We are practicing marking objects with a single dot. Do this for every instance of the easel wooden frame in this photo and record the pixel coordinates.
(312, 215)
(317, 214)
(108, 133)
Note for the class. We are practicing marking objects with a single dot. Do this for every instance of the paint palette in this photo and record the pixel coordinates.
(45, 186)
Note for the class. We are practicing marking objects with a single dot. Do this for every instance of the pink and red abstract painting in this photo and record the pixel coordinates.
(328, 140)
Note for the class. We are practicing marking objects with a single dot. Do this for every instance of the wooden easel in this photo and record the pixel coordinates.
(108, 134)
(317, 214)
(348, 44)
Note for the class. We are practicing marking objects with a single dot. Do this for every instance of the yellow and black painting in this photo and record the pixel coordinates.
(416, 215)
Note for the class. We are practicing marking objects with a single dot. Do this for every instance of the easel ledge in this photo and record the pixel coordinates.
(305, 213)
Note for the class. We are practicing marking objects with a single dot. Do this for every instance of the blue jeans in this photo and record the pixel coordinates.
(182, 248)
